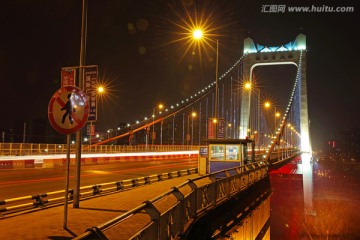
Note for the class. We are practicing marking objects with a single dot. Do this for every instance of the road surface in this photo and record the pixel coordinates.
(34, 181)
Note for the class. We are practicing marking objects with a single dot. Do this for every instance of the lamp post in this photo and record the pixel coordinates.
(229, 131)
(277, 115)
(188, 136)
(161, 124)
(198, 35)
(183, 130)
(193, 115)
(76, 198)
(153, 128)
(187, 132)
(216, 85)
(267, 105)
(160, 107)
(249, 87)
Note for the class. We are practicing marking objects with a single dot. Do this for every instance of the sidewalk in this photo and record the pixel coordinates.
(48, 223)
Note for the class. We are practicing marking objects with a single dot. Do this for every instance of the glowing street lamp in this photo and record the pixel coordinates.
(277, 114)
(248, 86)
(267, 104)
(160, 106)
(193, 115)
(100, 89)
(198, 35)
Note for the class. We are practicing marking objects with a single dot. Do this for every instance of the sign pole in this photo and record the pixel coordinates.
(67, 180)
(68, 112)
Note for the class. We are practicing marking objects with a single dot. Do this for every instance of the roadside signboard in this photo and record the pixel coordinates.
(91, 79)
(68, 110)
(68, 77)
(90, 130)
(221, 128)
(211, 129)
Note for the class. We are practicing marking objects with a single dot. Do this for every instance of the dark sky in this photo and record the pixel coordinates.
(130, 41)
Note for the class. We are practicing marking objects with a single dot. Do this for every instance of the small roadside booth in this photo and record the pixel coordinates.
(222, 154)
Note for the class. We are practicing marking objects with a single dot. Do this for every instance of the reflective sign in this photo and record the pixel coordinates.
(68, 110)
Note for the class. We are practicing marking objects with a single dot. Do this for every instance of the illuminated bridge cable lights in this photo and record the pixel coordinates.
(202, 101)
(213, 83)
(283, 134)
(205, 90)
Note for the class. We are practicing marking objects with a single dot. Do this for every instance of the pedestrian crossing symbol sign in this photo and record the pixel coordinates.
(68, 110)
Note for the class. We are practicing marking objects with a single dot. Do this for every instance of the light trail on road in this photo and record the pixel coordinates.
(21, 182)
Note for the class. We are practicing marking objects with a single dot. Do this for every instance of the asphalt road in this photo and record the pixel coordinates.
(34, 181)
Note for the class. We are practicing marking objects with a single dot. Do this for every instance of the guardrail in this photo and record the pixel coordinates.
(51, 198)
(20, 149)
(173, 212)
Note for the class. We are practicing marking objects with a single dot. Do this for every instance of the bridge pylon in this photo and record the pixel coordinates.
(292, 53)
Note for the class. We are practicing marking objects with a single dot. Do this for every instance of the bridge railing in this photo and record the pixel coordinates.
(14, 205)
(172, 212)
(21, 149)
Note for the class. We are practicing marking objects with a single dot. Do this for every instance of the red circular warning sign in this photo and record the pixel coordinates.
(68, 110)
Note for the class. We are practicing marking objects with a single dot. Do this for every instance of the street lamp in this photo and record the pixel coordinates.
(277, 114)
(160, 106)
(109, 133)
(193, 115)
(229, 134)
(100, 89)
(248, 86)
(198, 34)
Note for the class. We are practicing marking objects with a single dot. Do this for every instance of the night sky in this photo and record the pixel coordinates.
(135, 45)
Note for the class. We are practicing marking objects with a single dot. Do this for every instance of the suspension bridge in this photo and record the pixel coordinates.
(234, 107)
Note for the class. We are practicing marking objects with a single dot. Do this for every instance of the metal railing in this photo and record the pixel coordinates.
(58, 197)
(20, 149)
(187, 201)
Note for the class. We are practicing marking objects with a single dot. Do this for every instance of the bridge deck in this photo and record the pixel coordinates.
(48, 223)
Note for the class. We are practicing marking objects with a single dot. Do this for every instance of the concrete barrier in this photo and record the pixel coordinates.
(61, 162)
(48, 163)
(30, 163)
(4, 164)
(88, 161)
(101, 160)
(18, 164)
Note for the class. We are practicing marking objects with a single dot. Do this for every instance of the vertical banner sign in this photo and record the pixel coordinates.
(211, 129)
(90, 130)
(91, 77)
(221, 129)
(68, 77)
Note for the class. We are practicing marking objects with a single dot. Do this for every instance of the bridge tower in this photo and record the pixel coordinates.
(291, 53)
